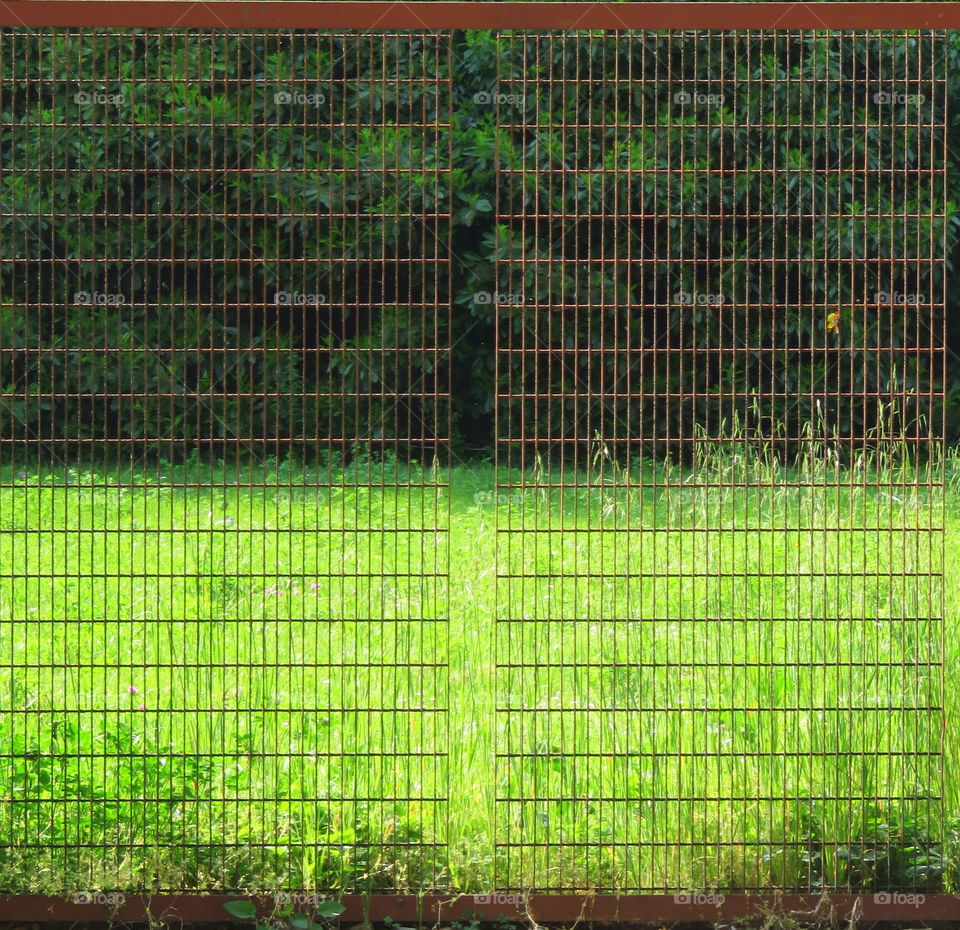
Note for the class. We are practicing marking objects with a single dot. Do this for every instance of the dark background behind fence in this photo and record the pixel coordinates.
(212, 207)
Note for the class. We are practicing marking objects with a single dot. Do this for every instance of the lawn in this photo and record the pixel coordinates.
(213, 675)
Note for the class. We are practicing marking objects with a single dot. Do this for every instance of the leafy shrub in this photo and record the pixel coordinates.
(202, 180)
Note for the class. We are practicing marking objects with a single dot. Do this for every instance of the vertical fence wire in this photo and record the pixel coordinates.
(719, 440)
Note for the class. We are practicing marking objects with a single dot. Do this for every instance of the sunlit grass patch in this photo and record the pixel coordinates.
(375, 678)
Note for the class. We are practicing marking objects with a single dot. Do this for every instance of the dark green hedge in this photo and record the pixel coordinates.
(222, 191)
(800, 137)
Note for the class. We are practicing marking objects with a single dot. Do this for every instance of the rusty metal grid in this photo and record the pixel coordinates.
(652, 714)
(719, 628)
(223, 554)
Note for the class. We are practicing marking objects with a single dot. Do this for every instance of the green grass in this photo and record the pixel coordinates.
(294, 648)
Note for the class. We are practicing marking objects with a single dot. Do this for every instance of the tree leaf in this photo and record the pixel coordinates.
(244, 910)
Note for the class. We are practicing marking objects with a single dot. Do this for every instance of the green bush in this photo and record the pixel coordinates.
(223, 192)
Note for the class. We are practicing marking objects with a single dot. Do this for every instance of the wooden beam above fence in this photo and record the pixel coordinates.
(375, 15)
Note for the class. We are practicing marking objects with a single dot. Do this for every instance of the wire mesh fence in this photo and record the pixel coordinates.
(719, 620)
(263, 624)
(226, 289)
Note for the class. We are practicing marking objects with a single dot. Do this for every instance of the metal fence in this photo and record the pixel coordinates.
(263, 625)
(718, 655)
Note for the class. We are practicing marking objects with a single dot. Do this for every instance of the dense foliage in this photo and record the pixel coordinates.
(159, 212)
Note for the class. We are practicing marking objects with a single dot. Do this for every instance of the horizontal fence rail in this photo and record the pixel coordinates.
(491, 465)
(379, 15)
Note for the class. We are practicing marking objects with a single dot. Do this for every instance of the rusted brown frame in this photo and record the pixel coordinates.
(357, 14)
